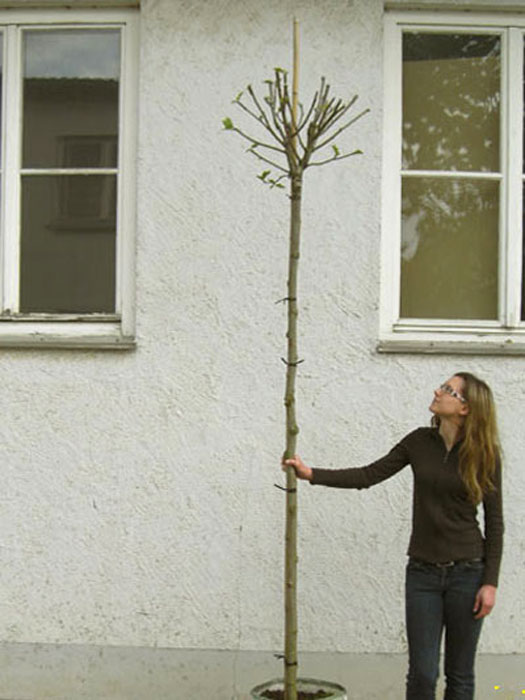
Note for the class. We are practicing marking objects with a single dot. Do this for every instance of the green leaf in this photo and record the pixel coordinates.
(264, 175)
(336, 150)
(227, 123)
(238, 97)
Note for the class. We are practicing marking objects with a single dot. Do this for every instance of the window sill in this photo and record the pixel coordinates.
(39, 4)
(454, 341)
(456, 5)
(107, 335)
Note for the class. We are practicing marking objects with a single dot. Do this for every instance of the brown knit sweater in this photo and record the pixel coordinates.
(444, 522)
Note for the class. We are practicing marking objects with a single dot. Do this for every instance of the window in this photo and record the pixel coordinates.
(67, 177)
(452, 240)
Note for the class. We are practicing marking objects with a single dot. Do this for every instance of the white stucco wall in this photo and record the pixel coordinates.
(138, 505)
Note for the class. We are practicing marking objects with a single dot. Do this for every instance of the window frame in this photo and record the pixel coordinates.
(97, 330)
(507, 334)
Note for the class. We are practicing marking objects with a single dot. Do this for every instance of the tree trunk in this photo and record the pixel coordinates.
(290, 587)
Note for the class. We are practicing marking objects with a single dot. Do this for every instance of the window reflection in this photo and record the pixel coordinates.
(72, 53)
(449, 248)
(71, 89)
(451, 101)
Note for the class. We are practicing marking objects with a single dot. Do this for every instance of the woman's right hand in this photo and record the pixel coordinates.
(301, 470)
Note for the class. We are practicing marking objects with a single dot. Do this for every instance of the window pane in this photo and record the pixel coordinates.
(449, 248)
(451, 102)
(523, 207)
(68, 244)
(71, 90)
(523, 116)
(523, 256)
(1, 83)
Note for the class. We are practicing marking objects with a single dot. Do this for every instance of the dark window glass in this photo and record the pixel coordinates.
(70, 120)
(68, 244)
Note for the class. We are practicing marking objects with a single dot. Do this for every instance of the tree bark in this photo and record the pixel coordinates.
(292, 429)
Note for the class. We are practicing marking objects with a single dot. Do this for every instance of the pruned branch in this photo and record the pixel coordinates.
(271, 101)
(266, 160)
(264, 117)
(238, 103)
(337, 157)
(303, 121)
(298, 138)
(340, 131)
(339, 112)
(255, 142)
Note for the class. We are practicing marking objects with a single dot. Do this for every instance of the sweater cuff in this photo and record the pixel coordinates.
(490, 576)
(317, 476)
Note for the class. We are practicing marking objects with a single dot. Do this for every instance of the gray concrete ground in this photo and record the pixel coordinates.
(42, 671)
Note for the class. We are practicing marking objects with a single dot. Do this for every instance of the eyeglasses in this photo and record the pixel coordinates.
(452, 392)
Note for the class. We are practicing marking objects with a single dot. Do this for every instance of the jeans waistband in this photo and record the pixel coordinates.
(447, 564)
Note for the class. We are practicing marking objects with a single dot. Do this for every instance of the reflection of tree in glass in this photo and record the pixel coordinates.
(449, 248)
(438, 204)
(451, 101)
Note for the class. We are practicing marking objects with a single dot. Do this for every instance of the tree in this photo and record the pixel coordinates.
(295, 139)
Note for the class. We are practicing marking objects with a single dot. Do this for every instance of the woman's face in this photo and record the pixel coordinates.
(448, 401)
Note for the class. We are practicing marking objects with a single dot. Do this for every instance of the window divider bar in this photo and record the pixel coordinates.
(127, 179)
(12, 189)
(511, 250)
(390, 266)
(3, 191)
(69, 171)
(459, 174)
(503, 209)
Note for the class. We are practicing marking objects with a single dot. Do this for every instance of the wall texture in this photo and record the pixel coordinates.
(138, 505)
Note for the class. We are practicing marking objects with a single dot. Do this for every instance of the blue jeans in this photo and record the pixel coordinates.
(440, 598)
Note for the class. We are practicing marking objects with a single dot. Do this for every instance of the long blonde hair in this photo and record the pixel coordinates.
(480, 452)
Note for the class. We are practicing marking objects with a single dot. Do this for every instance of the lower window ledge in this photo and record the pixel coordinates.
(96, 336)
(486, 345)
(456, 5)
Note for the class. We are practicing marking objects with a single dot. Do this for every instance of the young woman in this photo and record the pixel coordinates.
(452, 571)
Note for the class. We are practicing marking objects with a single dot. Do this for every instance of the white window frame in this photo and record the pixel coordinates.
(507, 334)
(105, 331)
